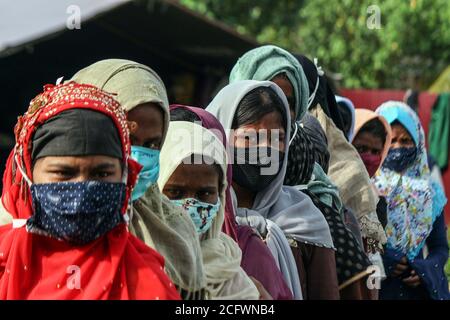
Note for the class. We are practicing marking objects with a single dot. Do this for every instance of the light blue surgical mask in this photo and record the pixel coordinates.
(149, 160)
(201, 213)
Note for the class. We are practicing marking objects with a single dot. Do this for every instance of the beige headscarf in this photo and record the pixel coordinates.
(362, 117)
(154, 219)
(349, 174)
(221, 254)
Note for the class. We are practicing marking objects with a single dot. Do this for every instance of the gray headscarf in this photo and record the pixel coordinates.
(290, 209)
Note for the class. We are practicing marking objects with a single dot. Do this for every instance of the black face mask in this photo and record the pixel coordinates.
(255, 172)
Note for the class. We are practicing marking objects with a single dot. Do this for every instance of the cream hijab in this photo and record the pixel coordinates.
(221, 254)
(154, 219)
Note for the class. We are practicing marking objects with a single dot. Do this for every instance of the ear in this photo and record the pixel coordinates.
(133, 126)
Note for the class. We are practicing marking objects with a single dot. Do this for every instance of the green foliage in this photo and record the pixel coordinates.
(410, 49)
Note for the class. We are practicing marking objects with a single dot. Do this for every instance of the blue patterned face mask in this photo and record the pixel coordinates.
(77, 212)
(399, 159)
(201, 213)
(149, 160)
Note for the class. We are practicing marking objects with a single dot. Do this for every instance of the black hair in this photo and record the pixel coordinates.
(256, 104)
(396, 122)
(182, 114)
(346, 116)
(375, 127)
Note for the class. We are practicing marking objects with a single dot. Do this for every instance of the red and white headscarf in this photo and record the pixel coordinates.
(114, 266)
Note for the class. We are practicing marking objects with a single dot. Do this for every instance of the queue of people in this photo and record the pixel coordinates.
(277, 189)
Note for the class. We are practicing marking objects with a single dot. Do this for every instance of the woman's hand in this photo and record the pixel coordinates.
(401, 267)
(413, 280)
(263, 294)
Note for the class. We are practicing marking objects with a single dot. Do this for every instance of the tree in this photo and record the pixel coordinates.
(409, 49)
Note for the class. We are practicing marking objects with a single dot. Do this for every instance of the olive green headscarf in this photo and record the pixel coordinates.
(154, 219)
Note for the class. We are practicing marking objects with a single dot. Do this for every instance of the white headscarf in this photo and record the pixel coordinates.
(221, 254)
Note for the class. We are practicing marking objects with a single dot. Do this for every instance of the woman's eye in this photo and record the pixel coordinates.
(173, 194)
(104, 174)
(61, 173)
(406, 141)
(205, 196)
(361, 149)
(152, 145)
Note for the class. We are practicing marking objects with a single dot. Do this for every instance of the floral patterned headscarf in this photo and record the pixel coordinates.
(414, 201)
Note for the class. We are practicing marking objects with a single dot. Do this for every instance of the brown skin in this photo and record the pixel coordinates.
(270, 122)
(202, 182)
(77, 169)
(199, 181)
(146, 123)
(368, 142)
(402, 139)
(288, 89)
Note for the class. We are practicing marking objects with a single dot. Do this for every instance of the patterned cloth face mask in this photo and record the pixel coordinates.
(399, 159)
(76, 212)
(201, 213)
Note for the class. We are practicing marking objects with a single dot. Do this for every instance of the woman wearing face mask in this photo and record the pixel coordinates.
(417, 248)
(156, 221)
(180, 112)
(275, 64)
(258, 113)
(254, 251)
(67, 185)
(193, 177)
(372, 140)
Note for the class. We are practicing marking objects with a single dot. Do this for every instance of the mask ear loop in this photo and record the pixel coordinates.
(19, 223)
(128, 215)
(319, 74)
(294, 134)
(22, 171)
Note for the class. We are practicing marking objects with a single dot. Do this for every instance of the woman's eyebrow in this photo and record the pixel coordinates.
(105, 166)
(60, 166)
(178, 185)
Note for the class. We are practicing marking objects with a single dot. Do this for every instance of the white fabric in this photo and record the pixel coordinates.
(277, 243)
